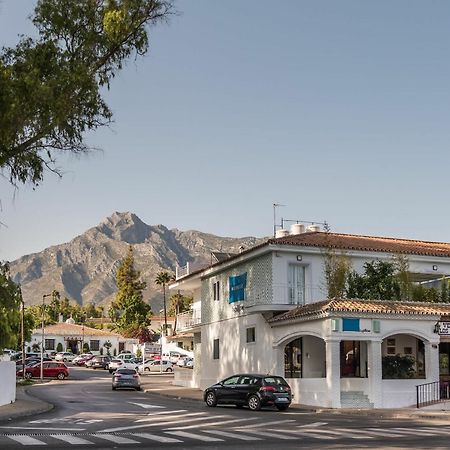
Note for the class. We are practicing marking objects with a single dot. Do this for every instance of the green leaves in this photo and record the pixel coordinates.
(50, 87)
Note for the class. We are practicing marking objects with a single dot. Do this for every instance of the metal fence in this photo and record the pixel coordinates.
(431, 393)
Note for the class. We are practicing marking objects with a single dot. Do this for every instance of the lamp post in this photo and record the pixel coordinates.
(42, 341)
(23, 333)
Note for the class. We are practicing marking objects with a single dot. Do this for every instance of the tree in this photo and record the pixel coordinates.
(10, 304)
(50, 87)
(163, 278)
(128, 310)
(336, 270)
(179, 303)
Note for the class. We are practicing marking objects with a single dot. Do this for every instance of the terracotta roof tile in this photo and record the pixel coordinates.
(365, 243)
(64, 329)
(330, 307)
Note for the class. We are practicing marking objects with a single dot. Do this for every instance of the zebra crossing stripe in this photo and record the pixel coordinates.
(155, 437)
(241, 437)
(262, 424)
(198, 437)
(115, 439)
(272, 435)
(414, 431)
(316, 434)
(26, 440)
(211, 424)
(158, 417)
(74, 440)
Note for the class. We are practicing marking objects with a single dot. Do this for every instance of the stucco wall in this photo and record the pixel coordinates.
(8, 377)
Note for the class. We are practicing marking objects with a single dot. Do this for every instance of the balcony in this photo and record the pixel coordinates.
(285, 294)
(188, 321)
(181, 272)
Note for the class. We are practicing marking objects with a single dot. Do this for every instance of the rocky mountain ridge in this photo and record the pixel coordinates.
(84, 268)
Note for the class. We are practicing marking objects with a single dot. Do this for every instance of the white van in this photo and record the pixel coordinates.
(173, 357)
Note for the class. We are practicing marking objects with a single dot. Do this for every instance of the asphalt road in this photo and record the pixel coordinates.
(88, 414)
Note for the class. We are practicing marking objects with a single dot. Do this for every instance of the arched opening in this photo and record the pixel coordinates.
(403, 357)
(304, 357)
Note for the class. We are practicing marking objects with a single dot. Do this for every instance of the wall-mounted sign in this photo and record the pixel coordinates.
(237, 288)
(442, 328)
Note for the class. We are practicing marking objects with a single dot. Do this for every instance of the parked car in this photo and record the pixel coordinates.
(126, 378)
(51, 369)
(65, 356)
(125, 356)
(251, 390)
(99, 362)
(186, 361)
(155, 366)
(122, 364)
(80, 360)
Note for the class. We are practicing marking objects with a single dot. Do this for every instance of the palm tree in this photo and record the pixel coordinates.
(162, 279)
(176, 302)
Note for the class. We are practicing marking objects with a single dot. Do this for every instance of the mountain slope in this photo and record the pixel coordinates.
(84, 268)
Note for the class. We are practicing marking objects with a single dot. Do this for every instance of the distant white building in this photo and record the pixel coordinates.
(72, 337)
(265, 310)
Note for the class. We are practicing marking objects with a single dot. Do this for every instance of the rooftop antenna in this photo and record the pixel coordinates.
(275, 206)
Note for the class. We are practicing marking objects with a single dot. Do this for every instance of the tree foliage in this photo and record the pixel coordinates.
(128, 310)
(10, 304)
(163, 278)
(51, 86)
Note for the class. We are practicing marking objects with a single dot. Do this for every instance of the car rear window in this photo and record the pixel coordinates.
(277, 381)
(126, 371)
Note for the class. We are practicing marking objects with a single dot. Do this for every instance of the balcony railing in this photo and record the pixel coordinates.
(188, 320)
(285, 294)
(183, 271)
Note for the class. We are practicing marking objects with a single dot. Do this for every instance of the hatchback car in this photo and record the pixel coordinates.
(50, 370)
(126, 378)
(155, 366)
(65, 356)
(251, 390)
(99, 362)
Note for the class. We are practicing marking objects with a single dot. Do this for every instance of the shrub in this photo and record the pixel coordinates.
(85, 347)
(59, 347)
(101, 350)
(398, 367)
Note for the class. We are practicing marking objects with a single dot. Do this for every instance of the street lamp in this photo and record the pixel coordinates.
(42, 341)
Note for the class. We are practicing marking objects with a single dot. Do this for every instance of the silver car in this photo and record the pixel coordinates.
(126, 378)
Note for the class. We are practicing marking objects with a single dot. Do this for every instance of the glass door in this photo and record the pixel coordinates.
(296, 284)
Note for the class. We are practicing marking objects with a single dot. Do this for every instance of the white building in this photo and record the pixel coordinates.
(263, 310)
(72, 337)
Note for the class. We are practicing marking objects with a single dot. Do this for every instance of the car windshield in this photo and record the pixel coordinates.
(278, 381)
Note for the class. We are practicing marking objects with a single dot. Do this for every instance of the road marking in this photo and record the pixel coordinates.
(157, 421)
(441, 431)
(365, 432)
(413, 431)
(26, 440)
(74, 440)
(272, 435)
(165, 415)
(198, 437)
(314, 424)
(224, 422)
(322, 434)
(265, 424)
(232, 435)
(144, 405)
(116, 439)
(160, 413)
(157, 438)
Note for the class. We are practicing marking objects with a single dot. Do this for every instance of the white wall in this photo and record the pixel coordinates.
(8, 377)
(309, 391)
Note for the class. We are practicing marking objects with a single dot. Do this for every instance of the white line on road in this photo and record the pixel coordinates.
(45, 428)
(144, 405)
(116, 439)
(322, 434)
(277, 435)
(314, 424)
(241, 437)
(198, 437)
(26, 440)
(224, 422)
(265, 424)
(74, 440)
(160, 416)
(154, 437)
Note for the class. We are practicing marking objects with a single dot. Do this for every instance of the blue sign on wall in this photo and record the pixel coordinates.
(237, 288)
(350, 324)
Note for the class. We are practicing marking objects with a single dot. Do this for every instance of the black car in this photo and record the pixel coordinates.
(252, 390)
(100, 362)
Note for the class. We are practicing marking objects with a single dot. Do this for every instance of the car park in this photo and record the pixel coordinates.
(126, 378)
(254, 391)
(51, 369)
(99, 362)
(156, 366)
(65, 356)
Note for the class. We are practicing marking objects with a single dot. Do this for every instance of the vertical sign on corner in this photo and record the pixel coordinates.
(237, 288)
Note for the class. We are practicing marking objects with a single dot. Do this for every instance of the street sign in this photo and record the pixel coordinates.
(443, 328)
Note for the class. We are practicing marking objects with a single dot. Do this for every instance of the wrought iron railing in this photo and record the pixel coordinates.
(432, 393)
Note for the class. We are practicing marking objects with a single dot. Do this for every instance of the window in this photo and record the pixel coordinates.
(94, 345)
(293, 359)
(49, 344)
(216, 289)
(216, 352)
(296, 284)
(231, 380)
(251, 335)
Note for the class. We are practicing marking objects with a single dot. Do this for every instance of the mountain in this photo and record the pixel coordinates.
(84, 269)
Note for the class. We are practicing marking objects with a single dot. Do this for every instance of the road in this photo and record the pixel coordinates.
(88, 414)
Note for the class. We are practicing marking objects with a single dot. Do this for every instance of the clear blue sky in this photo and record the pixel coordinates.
(338, 109)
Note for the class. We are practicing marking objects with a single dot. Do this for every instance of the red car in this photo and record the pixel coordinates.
(51, 370)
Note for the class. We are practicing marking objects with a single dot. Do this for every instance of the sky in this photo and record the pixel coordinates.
(337, 109)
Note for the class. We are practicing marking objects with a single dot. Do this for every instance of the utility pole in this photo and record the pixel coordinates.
(42, 337)
(23, 333)
(275, 206)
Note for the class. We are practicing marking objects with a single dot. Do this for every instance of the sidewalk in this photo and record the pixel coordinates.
(27, 405)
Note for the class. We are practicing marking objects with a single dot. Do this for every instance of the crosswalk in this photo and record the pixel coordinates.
(322, 432)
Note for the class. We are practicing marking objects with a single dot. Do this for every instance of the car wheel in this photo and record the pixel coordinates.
(138, 388)
(94, 368)
(282, 407)
(211, 399)
(254, 403)
(113, 388)
(169, 369)
(60, 376)
(28, 375)
(111, 371)
(146, 369)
